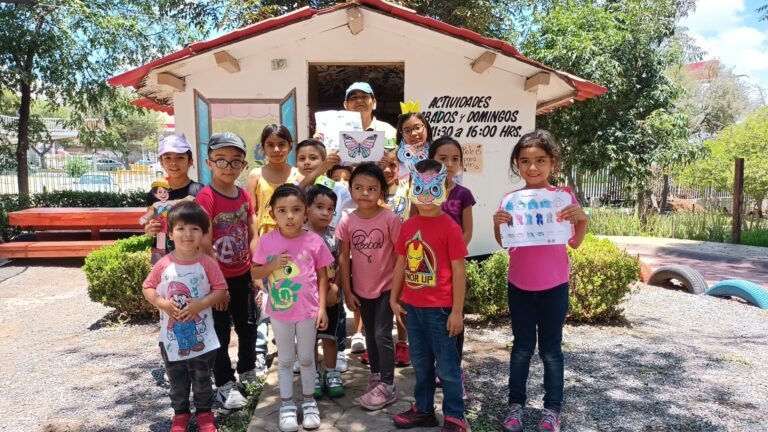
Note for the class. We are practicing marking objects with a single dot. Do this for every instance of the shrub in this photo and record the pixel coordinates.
(75, 167)
(487, 285)
(115, 274)
(599, 281)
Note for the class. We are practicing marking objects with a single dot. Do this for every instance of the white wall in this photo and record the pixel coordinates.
(435, 65)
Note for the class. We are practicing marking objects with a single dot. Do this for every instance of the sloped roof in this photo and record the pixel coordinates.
(134, 78)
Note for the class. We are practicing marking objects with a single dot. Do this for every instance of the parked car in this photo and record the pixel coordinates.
(154, 166)
(106, 164)
(95, 182)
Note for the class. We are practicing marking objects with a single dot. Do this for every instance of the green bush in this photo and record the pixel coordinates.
(115, 274)
(76, 167)
(13, 202)
(487, 285)
(599, 281)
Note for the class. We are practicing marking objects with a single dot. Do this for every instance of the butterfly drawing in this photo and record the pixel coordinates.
(361, 148)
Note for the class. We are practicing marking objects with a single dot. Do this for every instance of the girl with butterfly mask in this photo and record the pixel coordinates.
(414, 135)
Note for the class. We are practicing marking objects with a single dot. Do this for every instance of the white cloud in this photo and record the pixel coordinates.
(714, 15)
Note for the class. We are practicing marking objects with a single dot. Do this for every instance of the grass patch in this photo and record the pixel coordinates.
(730, 358)
(239, 420)
(714, 227)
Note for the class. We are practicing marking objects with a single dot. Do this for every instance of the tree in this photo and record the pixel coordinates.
(628, 47)
(64, 51)
(748, 140)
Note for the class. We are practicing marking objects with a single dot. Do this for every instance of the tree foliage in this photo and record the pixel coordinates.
(64, 51)
(748, 140)
(627, 46)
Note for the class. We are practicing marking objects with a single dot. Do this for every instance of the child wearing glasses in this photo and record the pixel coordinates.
(230, 240)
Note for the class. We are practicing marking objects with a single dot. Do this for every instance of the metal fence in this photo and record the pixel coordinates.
(79, 173)
(603, 188)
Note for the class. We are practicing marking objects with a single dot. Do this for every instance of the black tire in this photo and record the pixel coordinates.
(691, 280)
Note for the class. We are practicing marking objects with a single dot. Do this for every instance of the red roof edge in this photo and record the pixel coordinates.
(133, 78)
(149, 104)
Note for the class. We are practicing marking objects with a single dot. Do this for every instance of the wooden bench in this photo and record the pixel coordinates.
(51, 249)
(76, 220)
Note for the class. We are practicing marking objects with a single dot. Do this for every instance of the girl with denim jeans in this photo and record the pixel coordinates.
(538, 287)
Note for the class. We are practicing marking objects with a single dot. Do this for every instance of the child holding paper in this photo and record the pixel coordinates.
(538, 288)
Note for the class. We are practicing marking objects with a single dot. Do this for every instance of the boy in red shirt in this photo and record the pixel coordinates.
(428, 294)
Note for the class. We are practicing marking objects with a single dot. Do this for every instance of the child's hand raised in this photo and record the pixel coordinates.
(501, 217)
(572, 213)
(321, 322)
(332, 160)
(455, 323)
(399, 311)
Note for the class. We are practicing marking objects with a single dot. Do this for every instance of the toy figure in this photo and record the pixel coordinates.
(160, 189)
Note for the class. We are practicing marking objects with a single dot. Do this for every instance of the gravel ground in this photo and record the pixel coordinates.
(679, 363)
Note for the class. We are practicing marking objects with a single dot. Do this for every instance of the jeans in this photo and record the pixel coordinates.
(239, 290)
(430, 345)
(542, 314)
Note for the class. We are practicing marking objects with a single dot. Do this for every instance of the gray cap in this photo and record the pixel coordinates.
(226, 139)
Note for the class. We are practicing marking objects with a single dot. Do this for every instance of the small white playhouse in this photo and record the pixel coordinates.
(481, 91)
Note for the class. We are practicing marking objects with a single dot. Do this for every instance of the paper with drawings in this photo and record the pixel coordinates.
(359, 146)
(534, 218)
(331, 123)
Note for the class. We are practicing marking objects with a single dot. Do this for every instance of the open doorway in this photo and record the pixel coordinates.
(329, 81)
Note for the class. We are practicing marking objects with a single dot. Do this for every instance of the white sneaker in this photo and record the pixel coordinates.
(261, 364)
(288, 420)
(341, 362)
(229, 396)
(296, 367)
(311, 415)
(358, 343)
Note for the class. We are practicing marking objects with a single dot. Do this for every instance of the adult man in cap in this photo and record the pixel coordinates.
(359, 97)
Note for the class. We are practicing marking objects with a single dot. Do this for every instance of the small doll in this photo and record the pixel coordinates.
(159, 210)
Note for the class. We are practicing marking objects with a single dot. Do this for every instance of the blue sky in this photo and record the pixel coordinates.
(730, 31)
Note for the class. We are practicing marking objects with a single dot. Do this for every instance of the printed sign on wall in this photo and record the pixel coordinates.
(534, 218)
(361, 146)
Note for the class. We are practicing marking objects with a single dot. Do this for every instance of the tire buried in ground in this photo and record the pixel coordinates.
(687, 278)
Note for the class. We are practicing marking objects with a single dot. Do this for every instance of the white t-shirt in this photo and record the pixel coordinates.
(179, 281)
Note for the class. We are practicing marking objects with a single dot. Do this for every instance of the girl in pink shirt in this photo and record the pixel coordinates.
(538, 288)
(294, 262)
(369, 234)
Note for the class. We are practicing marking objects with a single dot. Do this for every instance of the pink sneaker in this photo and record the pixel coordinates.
(373, 381)
(379, 397)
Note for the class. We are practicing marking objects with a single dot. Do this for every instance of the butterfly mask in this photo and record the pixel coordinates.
(428, 187)
(409, 156)
(358, 149)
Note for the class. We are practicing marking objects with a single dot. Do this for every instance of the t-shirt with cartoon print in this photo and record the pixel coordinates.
(293, 290)
(230, 219)
(429, 244)
(371, 244)
(397, 199)
(180, 281)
